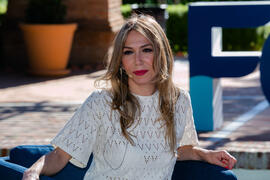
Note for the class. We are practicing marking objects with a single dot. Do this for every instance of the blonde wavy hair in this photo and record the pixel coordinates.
(122, 99)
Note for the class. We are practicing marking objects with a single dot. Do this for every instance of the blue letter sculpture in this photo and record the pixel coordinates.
(207, 61)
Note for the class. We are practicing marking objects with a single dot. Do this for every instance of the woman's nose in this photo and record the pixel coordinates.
(138, 58)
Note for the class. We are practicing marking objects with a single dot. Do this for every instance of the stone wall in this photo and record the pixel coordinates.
(98, 21)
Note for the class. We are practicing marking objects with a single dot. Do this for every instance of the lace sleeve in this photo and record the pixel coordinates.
(78, 136)
(189, 134)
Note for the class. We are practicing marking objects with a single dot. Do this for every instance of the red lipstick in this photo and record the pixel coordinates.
(140, 72)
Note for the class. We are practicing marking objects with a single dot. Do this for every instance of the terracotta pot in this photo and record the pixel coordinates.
(48, 47)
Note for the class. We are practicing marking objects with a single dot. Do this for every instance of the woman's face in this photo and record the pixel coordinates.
(137, 60)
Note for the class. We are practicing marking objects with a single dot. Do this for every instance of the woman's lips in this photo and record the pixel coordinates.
(140, 72)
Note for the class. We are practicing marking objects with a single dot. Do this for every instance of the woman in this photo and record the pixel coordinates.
(139, 127)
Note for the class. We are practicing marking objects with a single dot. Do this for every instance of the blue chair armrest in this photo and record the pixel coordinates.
(5, 158)
(195, 170)
(26, 155)
(22, 157)
(11, 171)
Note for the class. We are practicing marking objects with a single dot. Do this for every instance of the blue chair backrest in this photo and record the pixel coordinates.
(26, 155)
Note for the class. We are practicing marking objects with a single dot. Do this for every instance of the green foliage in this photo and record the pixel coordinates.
(264, 32)
(45, 12)
(189, 1)
(126, 10)
(3, 10)
(3, 6)
(176, 25)
(248, 39)
(241, 39)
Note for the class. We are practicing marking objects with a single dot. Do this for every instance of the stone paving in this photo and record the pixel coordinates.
(31, 123)
(33, 110)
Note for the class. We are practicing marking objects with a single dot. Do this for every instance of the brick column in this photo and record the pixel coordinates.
(98, 21)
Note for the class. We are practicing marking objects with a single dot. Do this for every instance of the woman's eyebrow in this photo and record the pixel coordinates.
(141, 46)
(127, 47)
(146, 45)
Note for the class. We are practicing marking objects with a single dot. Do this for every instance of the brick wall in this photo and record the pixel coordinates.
(98, 21)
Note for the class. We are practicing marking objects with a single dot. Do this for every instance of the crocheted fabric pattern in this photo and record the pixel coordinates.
(95, 128)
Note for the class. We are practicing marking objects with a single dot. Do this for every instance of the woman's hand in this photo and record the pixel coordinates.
(30, 175)
(220, 158)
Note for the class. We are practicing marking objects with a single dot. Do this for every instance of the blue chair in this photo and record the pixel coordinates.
(22, 157)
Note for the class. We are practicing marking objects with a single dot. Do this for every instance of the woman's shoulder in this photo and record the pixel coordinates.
(183, 98)
(99, 95)
(183, 94)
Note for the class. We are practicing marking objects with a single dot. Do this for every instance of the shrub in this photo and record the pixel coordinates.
(237, 39)
(3, 6)
(248, 39)
(126, 10)
(3, 10)
(176, 27)
(263, 32)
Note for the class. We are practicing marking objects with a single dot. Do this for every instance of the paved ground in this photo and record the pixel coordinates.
(32, 111)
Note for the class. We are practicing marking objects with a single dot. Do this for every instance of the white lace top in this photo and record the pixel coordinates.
(94, 128)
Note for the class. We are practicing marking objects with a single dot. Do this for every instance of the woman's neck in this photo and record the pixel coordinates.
(143, 90)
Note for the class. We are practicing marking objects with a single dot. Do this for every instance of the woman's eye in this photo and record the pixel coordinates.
(127, 52)
(147, 50)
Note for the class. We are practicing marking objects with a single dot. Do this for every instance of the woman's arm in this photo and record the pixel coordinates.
(220, 158)
(48, 164)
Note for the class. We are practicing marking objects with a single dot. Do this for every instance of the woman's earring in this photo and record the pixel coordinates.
(122, 69)
(121, 72)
